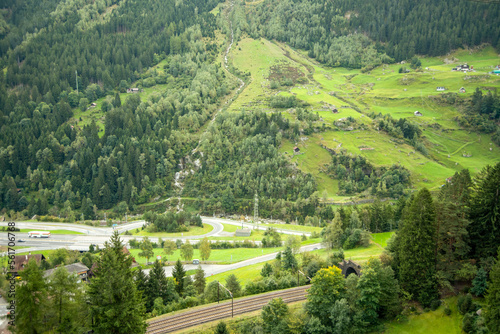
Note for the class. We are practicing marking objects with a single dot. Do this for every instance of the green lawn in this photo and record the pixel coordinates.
(433, 322)
(193, 230)
(220, 256)
(381, 238)
(244, 275)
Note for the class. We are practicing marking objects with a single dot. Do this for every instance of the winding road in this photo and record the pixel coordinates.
(98, 235)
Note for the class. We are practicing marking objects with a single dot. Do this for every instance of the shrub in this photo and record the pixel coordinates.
(435, 304)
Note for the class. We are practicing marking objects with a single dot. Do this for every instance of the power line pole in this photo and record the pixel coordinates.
(256, 208)
(76, 78)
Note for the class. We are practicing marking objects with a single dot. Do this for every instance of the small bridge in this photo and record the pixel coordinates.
(348, 267)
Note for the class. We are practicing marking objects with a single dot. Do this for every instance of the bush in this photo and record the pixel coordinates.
(435, 304)
(464, 304)
(447, 310)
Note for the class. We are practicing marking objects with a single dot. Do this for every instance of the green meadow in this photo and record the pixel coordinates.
(383, 90)
(219, 256)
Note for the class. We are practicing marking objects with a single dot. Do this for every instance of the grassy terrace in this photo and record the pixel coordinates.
(383, 90)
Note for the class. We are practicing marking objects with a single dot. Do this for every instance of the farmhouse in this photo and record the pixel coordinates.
(296, 149)
(440, 89)
(133, 90)
(79, 269)
(21, 261)
(464, 68)
(461, 90)
(93, 105)
(417, 113)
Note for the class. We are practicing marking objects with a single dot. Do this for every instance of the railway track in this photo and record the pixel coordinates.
(223, 310)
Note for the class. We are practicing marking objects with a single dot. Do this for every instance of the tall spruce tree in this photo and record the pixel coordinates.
(178, 273)
(484, 229)
(158, 286)
(199, 280)
(31, 299)
(417, 249)
(115, 303)
(492, 314)
(66, 301)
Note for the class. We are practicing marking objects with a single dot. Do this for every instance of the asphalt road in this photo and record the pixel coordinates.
(98, 235)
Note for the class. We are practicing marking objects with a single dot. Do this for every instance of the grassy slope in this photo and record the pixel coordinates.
(381, 90)
(433, 322)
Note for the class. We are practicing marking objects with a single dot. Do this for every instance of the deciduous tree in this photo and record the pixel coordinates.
(205, 249)
(146, 249)
(187, 251)
(326, 287)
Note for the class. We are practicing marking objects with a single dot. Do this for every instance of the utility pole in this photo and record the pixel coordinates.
(256, 208)
(232, 298)
(76, 78)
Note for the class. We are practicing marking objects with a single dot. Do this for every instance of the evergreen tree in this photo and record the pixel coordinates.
(416, 249)
(178, 273)
(484, 229)
(117, 102)
(288, 261)
(492, 314)
(332, 234)
(199, 280)
(480, 283)
(115, 304)
(31, 300)
(141, 281)
(368, 302)
(157, 286)
(66, 300)
(233, 285)
(221, 328)
(267, 270)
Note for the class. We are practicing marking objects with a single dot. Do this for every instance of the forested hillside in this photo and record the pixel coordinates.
(336, 32)
(56, 163)
(73, 142)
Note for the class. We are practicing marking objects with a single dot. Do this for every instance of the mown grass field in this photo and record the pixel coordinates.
(220, 256)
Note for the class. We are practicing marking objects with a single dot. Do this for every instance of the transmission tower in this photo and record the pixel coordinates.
(256, 208)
